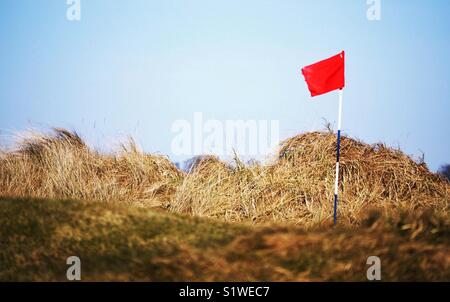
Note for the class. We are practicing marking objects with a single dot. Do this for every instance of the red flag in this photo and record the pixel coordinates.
(326, 75)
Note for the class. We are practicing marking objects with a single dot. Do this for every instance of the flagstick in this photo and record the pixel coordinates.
(338, 147)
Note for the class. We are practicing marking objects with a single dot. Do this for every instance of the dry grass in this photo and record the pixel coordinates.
(60, 165)
(297, 188)
(407, 225)
(117, 242)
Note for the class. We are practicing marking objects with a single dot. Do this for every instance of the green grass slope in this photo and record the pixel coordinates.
(119, 242)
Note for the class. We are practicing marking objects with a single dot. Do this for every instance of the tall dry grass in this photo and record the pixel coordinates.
(60, 165)
(297, 188)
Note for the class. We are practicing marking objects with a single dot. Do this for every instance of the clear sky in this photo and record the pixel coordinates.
(133, 67)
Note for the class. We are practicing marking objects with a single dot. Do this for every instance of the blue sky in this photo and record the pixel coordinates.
(133, 67)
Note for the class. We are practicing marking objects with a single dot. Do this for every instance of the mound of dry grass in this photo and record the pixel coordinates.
(60, 165)
(298, 188)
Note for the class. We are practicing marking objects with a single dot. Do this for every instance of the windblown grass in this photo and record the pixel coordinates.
(390, 206)
(297, 188)
(60, 165)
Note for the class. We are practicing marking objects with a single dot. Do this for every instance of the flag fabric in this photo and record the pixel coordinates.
(326, 75)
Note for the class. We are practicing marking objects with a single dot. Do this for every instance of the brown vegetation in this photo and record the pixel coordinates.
(123, 243)
(297, 188)
(60, 165)
(407, 225)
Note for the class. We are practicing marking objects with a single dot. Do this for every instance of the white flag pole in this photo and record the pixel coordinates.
(338, 146)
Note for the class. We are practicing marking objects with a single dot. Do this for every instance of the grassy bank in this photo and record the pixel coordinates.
(121, 242)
